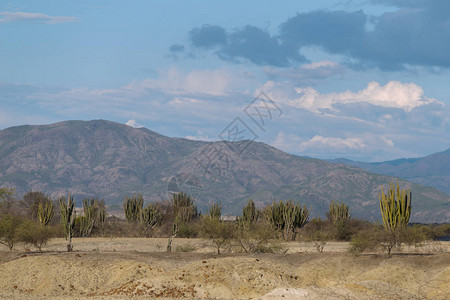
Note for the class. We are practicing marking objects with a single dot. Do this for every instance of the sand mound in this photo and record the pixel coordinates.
(120, 275)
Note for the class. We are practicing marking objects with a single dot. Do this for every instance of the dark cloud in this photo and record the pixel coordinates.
(176, 48)
(208, 36)
(417, 33)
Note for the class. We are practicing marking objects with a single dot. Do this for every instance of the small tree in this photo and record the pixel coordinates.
(35, 234)
(9, 224)
(218, 231)
(68, 216)
(6, 200)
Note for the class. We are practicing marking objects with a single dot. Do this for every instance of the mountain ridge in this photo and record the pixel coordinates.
(431, 170)
(111, 160)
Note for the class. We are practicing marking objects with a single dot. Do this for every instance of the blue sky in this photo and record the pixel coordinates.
(365, 80)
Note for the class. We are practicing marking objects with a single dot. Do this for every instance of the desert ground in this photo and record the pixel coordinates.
(123, 268)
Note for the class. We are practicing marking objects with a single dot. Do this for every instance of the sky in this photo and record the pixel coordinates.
(365, 80)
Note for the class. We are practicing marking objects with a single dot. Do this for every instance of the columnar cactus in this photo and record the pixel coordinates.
(395, 207)
(68, 219)
(215, 211)
(133, 208)
(151, 216)
(287, 217)
(45, 212)
(338, 212)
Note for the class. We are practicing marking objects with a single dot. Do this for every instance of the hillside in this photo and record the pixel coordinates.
(111, 160)
(432, 170)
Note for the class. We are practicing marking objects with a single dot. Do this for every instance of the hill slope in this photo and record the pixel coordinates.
(432, 170)
(111, 160)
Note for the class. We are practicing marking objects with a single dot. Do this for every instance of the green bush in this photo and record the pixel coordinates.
(260, 238)
(220, 232)
(376, 238)
(35, 234)
(9, 225)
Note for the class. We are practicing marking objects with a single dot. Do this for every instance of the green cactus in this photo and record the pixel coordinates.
(338, 212)
(184, 208)
(215, 211)
(132, 207)
(274, 214)
(287, 217)
(94, 215)
(45, 212)
(151, 216)
(68, 216)
(395, 207)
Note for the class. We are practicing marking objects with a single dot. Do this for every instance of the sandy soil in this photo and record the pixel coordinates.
(120, 268)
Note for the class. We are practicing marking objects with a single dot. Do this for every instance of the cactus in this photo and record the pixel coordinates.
(45, 212)
(338, 212)
(294, 217)
(151, 216)
(133, 208)
(68, 219)
(249, 215)
(215, 211)
(184, 208)
(274, 215)
(94, 215)
(395, 207)
(287, 217)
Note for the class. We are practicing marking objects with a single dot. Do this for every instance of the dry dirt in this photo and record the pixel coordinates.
(120, 268)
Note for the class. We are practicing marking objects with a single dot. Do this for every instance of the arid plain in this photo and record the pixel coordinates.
(120, 268)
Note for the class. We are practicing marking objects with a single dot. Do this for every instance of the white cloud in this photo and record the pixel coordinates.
(394, 94)
(133, 124)
(7, 16)
(308, 72)
(366, 143)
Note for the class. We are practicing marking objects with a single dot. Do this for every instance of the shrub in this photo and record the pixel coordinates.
(220, 232)
(35, 234)
(375, 238)
(185, 248)
(260, 238)
(9, 225)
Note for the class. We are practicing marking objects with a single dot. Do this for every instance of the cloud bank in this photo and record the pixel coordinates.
(416, 34)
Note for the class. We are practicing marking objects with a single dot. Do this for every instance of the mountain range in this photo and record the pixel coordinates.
(432, 170)
(111, 161)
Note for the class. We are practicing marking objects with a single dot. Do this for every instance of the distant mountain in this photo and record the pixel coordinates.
(111, 160)
(432, 170)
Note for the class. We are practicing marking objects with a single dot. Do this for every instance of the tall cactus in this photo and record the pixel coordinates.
(132, 207)
(151, 216)
(249, 216)
(184, 208)
(68, 219)
(287, 217)
(45, 212)
(274, 214)
(338, 212)
(395, 207)
(294, 217)
(215, 211)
